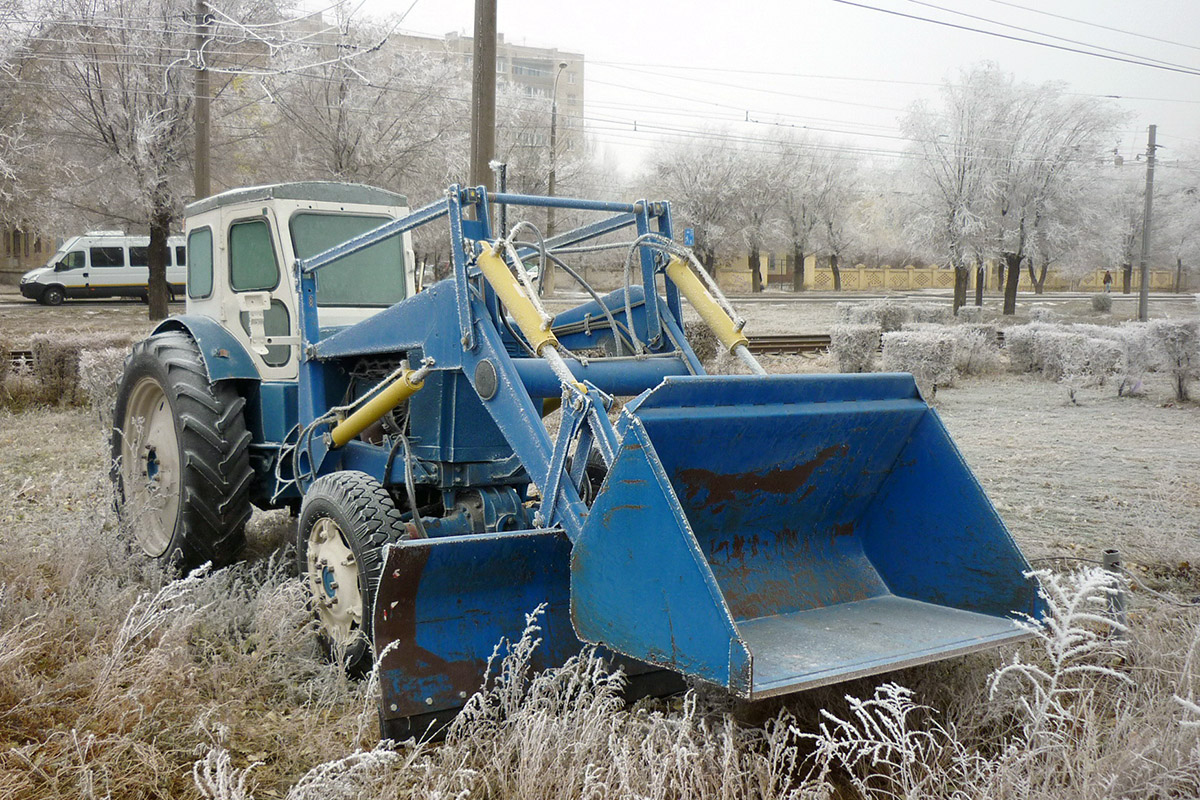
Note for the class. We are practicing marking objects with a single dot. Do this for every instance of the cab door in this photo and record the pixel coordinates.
(71, 272)
(255, 268)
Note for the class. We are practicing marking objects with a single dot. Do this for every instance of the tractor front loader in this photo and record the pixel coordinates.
(461, 457)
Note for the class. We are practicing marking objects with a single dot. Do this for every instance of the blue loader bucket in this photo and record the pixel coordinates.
(771, 534)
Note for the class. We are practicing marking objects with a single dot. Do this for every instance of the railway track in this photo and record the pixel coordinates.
(789, 344)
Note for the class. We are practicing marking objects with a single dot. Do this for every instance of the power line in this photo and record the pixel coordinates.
(997, 34)
(1041, 33)
(1094, 24)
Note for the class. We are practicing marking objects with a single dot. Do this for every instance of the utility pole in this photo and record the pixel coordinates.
(548, 279)
(1144, 293)
(483, 94)
(203, 118)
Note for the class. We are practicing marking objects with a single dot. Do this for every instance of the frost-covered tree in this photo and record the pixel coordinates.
(801, 194)
(1000, 160)
(701, 178)
(951, 173)
(839, 212)
(758, 173)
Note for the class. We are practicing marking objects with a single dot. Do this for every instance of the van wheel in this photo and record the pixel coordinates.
(52, 296)
(181, 456)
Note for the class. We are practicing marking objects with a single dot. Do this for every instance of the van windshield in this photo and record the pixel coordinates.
(373, 277)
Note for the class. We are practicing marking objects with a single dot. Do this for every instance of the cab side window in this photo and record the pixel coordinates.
(200, 269)
(139, 256)
(108, 256)
(181, 255)
(76, 259)
(252, 264)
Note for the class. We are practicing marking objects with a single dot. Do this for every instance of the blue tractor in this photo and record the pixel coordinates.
(459, 457)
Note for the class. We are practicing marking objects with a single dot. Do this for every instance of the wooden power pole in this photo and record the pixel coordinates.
(203, 118)
(483, 94)
(1144, 289)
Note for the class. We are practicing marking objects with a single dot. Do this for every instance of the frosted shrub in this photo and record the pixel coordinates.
(1019, 342)
(1042, 314)
(975, 349)
(970, 314)
(854, 346)
(1102, 303)
(1088, 361)
(889, 315)
(930, 312)
(928, 355)
(1138, 356)
(1178, 344)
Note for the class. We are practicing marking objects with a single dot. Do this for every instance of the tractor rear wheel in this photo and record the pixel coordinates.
(346, 519)
(181, 456)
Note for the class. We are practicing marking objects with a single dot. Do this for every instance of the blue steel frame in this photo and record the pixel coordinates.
(416, 326)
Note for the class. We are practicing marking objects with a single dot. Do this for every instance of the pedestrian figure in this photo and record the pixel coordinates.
(1107, 280)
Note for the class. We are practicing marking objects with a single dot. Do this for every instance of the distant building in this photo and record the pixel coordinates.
(21, 251)
(531, 70)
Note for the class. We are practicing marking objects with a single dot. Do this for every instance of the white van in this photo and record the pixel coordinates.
(103, 264)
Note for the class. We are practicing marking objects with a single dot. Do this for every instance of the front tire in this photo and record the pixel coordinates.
(53, 296)
(181, 456)
(346, 519)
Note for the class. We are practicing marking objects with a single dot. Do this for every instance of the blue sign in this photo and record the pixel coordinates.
(689, 236)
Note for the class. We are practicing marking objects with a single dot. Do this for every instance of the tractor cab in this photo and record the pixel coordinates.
(244, 245)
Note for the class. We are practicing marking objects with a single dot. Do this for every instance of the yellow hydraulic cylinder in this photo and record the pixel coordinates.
(513, 296)
(390, 396)
(705, 304)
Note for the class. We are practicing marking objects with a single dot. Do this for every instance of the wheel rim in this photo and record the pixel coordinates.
(333, 581)
(150, 466)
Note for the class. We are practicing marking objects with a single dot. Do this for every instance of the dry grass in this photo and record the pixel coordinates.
(117, 683)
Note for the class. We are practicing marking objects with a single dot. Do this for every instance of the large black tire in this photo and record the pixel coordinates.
(346, 519)
(181, 456)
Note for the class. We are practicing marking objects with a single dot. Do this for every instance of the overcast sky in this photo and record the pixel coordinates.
(845, 71)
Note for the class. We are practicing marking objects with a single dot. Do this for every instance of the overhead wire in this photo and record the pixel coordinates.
(1010, 37)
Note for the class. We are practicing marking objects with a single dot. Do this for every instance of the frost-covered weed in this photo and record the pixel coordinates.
(854, 346)
(1077, 642)
(890, 747)
(99, 373)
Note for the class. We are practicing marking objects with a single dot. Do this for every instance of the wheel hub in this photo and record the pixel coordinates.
(150, 474)
(333, 581)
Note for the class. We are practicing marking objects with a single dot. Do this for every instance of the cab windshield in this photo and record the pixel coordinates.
(372, 277)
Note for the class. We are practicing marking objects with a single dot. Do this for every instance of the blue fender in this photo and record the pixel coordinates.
(224, 356)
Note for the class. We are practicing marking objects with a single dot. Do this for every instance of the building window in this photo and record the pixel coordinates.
(16, 243)
(37, 245)
(571, 78)
(501, 64)
(27, 245)
(570, 99)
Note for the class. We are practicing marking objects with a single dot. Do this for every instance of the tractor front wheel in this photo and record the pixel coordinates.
(346, 519)
(181, 456)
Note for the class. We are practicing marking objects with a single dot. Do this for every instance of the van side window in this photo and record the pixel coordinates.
(108, 256)
(76, 259)
(139, 256)
(181, 256)
(252, 264)
(200, 269)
